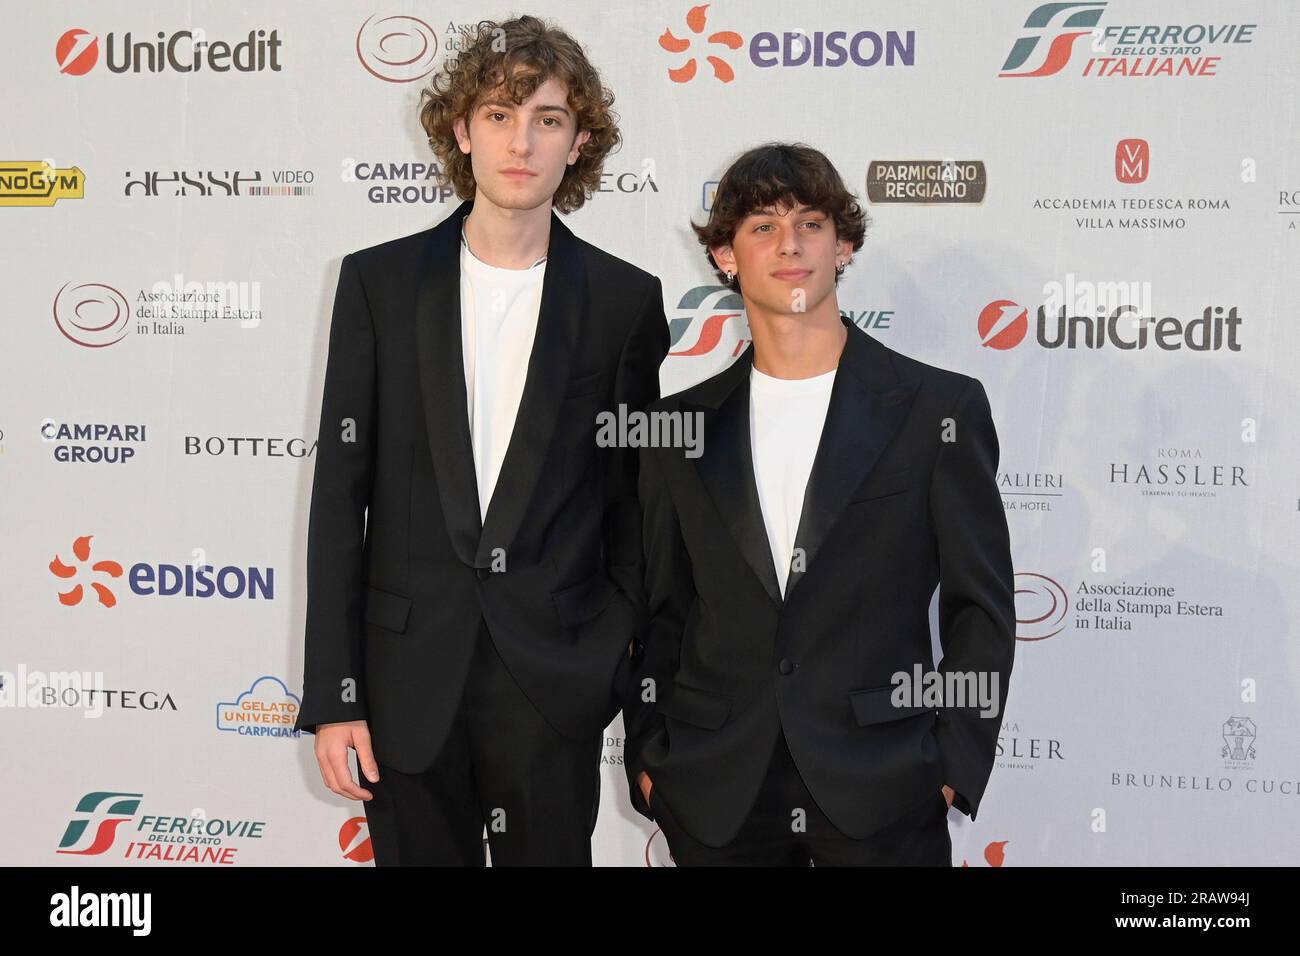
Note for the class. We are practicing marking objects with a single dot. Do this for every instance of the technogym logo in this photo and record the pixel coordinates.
(182, 51)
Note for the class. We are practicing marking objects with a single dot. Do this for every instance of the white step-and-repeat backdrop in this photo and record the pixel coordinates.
(1094, 207)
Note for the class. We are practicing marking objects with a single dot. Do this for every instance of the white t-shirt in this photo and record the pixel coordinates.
(498, 322)
(785, 426)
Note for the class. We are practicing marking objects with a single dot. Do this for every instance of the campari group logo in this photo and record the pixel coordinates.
(1131, 50)
(722, 49)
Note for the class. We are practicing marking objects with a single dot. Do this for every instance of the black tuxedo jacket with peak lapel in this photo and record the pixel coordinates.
(400, 569)
(891, 510)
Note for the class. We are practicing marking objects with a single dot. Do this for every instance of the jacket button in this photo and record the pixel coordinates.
(483, 573)
(786, 666)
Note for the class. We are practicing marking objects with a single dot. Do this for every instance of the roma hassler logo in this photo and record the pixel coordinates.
(37, 183)
(192, 838)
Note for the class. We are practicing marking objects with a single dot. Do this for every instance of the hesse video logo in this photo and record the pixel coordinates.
(1139, 50)
(185, 51)
(1004, 324)
(162, 580)
(792, 48)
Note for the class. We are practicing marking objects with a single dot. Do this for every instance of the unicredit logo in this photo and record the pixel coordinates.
(181, 51)
(1004, 324)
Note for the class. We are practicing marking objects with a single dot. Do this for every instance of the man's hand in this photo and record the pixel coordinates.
(948, 794)
(332, 742)
(643, 781)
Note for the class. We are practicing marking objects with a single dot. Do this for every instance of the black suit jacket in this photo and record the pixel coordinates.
(890, 511)
(399, 566)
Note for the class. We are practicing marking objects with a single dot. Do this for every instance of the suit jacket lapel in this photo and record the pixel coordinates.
(560, 318)
(727, 469)
(868, 405)
(442, 382)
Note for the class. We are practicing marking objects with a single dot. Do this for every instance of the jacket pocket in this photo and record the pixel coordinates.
(584, 384)
(388, 610)
(874, 706)
(694, 706)
(584, 600)
(882, 486)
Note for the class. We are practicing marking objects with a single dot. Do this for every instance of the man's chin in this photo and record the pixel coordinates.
(519, 199)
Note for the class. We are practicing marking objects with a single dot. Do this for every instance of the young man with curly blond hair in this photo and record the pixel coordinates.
(474, 558)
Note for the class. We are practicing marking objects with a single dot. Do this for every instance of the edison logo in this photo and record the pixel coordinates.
(81, 550)
(80, 840)
(1003, 324)
(695, 21)
(1055, 53)
(77, 52)
(1132, 160)
(38, 183)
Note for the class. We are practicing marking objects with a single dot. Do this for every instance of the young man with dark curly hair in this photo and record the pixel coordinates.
(790, 567)
(474, 558)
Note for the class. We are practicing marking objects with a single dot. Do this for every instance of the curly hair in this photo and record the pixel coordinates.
(516, 57)
(785, 174)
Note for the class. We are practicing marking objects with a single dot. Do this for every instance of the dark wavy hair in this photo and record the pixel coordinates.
(517, 56)
(785, 174)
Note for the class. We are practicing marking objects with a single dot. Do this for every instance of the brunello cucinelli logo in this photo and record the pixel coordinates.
(39, 183)
(1234, 742)
(1179, 472)
(222, 183)
(77, 690)
(1031, 490)
(194, 837)
(97, 315)
(1019, 749)
(926, 181)
(1134, 208)
(186, 51)
(106, 578)
(94, 443)
(723, 50)
(1116, 49)
(249, 447)
(389, 183)
(265, 709)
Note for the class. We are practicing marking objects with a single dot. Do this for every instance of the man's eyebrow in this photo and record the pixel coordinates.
(769, 211)
(547, 108)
